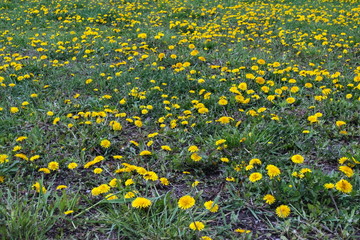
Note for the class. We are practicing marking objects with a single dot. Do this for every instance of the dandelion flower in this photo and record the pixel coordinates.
(53, 166)
(3, 158)
(343, 186)
(186, 202)
(129, 195)
(164, 181)
(14, 109)
(98, 170)
(254, 177)
(105, 143)
(61, 187)
(145, 153)
(72, 165)
(347, 171)
(197, 226)
(283, 211)
(44, 170)
(255, 161)
(329, 185)
(238, 230)
(211, 206)
(297, 159)
(39, 188)
(141, 202)
(269, 199)
(193, 149)
(340, 123)
(195, 157)
(111, 197)
(273, 171)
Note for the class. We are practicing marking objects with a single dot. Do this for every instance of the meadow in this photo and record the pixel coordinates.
(183, 119)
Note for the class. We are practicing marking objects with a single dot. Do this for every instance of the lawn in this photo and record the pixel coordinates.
(184, 119)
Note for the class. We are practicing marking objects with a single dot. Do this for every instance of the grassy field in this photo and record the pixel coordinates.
(183, 119)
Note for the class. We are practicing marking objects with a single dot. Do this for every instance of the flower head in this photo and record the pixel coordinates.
(211, 206)
(53, 166)
(297, 159)
(269, 199)
(343, 186)
(256, 176)
(273, 171)
(283, 211)
(197, 226)
(141, 202)
(186, 202)
(347, 171)
(105, 143)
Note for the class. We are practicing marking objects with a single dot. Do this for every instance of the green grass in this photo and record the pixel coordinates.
(69, 70)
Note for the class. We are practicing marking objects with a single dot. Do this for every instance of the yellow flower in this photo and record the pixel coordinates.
(111, 197)
(129, 182)
(22, 156)
(164, 181)
(105, 143)
(129, 195)
(33, 158)
(44, 170)
(312, 119)
(347, 171)
(256, 176)
(329, 185)
(142, 35)
(145, 153)
(195, 157)
(53, 166)
(203, 110)
(116, 126)
(273, 171)
(14, 109)
(224, 120)
(230, 179)
(222, 102)
(141, 202)
(97, 170)
(61, 187)
(20, 139)
(166, 148)
(186, 202)
(343, 186)
(95, 191)
(138, 123)
(197, 226)
(113, 182)
(211, 206)
(269, 199)
(193, 148)
(3, 158)
(290, 100)
(206, 238)
(238, 230)
(219, 142)
(72, 165)
(68, 212)
(150, 175)
(297, 159)
(340, 123)
(255, 161)
(39, 188)
(283, 211)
